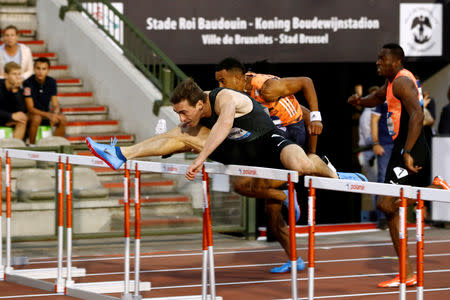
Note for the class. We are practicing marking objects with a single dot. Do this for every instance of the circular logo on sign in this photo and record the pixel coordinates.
(421, 23)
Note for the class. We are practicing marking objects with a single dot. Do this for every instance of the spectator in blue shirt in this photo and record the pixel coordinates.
(12, 105)
(40, 93)
(382, 148)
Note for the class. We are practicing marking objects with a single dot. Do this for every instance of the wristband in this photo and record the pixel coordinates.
(315, 116)
(375, 143)
(405, 151)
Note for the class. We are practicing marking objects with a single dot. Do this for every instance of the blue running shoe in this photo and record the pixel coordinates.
(110, 154)
(297, 208)
(352, 176)
(287, 267)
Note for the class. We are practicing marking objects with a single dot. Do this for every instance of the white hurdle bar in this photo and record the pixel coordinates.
(402, 191)
(89, 289)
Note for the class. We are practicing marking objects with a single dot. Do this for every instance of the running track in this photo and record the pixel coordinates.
(348, 270)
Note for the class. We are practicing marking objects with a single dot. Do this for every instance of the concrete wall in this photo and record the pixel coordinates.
(438, 85)
(113, 79)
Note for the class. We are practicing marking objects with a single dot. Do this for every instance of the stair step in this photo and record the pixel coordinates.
(82, 110)
(164, 199)
(86, 127)
(59, 71)
(70, 85)
(154, 186)
(50, 55)
(69, 82)
(75, 98)
(100, 137)
(14, 8)
(87, 113)
(110, 175)
(170, 221)
(161, 222)
(22, 17)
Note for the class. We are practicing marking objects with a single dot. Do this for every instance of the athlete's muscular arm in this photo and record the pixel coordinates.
(274, 89)
(312, 139)
(405, 90)
(225, 107)
(370, 100)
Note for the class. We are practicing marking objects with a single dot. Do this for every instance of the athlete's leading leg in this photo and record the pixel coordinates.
(179, 139)
(174, 141)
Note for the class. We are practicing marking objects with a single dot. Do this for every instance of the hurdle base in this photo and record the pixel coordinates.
(17, 261)
(31, 282)
(108, 287)
(195, 297)
(126, 296)
(46, 273)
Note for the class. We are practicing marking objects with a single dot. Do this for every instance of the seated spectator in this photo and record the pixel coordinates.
(444, 123)
(40, 91)
(16, 52)
(12, 105)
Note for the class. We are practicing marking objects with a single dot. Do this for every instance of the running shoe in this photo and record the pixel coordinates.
(287, 267)
(286, 204)
(395, 282)
(438, 180)
(110, 154)
(352, 176)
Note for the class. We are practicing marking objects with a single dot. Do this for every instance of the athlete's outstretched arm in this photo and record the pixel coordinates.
(274, 89)
(370, 100)
(225, 107)
(179, 139)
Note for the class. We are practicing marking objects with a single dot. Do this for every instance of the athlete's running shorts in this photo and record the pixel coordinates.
(262, 152)
(295, 132)
(420, 153)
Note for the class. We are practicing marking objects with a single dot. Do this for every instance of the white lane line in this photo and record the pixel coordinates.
(264, 265)
(328, 247)
(31, 296)
(372, 294)
(288, 280)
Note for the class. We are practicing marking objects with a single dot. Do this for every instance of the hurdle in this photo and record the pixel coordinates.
(93, 290)
(33, 276)
(401, 191)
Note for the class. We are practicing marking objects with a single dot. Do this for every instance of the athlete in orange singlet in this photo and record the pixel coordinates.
(410, 155)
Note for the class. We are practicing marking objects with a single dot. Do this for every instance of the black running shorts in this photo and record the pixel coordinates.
(420, 154)
(262, 152)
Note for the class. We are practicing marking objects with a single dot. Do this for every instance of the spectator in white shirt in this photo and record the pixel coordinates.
(12, 51)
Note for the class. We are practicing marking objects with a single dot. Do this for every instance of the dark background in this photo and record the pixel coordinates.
(335, 68)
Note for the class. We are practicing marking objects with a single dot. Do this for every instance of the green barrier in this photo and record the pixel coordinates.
(6, 132)
(43, 132)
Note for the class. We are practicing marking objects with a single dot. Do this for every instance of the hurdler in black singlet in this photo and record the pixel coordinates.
(253, 140)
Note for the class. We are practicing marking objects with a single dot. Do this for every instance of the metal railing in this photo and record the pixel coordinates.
(141, 51)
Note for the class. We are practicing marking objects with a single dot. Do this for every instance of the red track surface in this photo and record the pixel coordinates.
(342, 270)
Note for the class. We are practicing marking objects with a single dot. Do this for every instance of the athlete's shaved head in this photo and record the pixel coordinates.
(231, 64)
(396, 50)
(230, 73)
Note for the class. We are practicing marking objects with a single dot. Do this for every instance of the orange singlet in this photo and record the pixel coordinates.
(395, 105)
(283, 112)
